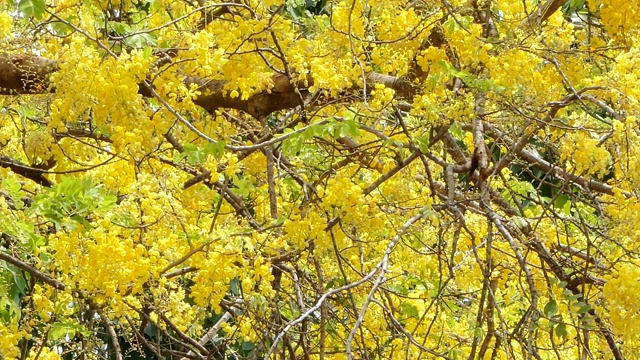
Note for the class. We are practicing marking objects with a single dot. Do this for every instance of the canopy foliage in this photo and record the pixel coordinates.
(317, 179)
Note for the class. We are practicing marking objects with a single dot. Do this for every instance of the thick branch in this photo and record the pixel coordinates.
(35, 174)
(24, 74)
(31, 270)
(552, 168)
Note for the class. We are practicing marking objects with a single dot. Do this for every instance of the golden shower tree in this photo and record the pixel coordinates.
(355, 179)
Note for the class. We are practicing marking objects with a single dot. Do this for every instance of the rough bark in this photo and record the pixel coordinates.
(25, 74)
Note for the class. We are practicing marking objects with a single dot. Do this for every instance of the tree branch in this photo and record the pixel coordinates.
(26, 74)
(31, 173)
(543, 12)
(31, 270)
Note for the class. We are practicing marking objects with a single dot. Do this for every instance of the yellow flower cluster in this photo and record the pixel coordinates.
(10, 335)
(42, 302)
(6, 24)
(626, 223)
(625, 77)
(38, 146)
(217, 268)
(102, 261)
(382, 97)
(44, 353)
(430, 56)
(394, 25)
(523, 73)
(464, 35)
(628, 164)
(331, 74)
(511, 11)
(350, 17)
(341, 195)
(620, 19)
(584, 154)
(622, 294)
(108, 88)
(206, 53)
(311, 227)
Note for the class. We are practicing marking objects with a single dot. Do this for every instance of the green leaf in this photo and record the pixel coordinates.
(61, 329)
(14, 189)
(216, 148)
(31, 8)
(178, 158)
(564, 204)
(193, 154)
(119, 27)
(520, 222)
(575, 297)
(73, 199)
(292, 145)
(234, 286)
(426, 211)
(154, 5)
(561, 330)
(450, 26)
(16, 275)
(423, 144)
(141, 41)
(81, 220)
(151, 330)
(349, 128)
(398, 288)
(583, 308)
(11, 185)
(447, 66)
(335, 282)
(456, 131)
(247, 346)
(409, 310)
(551, 308)
(148, 52)
(243, 185)
(61, 28)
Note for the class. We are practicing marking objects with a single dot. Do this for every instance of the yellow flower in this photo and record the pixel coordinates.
(6, 23)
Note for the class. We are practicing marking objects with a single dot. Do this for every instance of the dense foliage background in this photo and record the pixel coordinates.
(309, 179)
